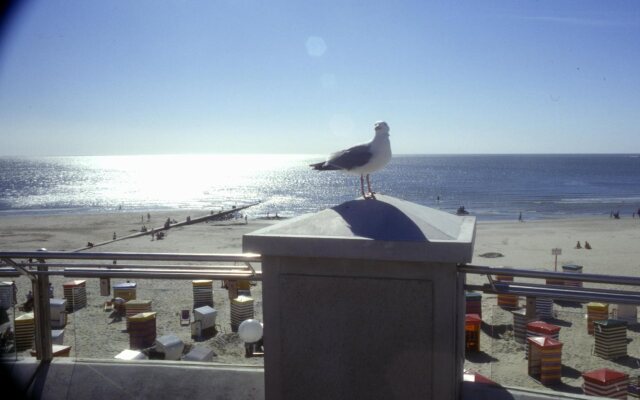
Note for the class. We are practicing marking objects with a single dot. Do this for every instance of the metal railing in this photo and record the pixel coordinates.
(36, 266)
(559, 292)
(39, 265)
(183, 265)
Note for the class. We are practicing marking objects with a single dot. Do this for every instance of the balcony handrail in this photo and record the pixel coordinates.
(169, 266)
(22, 262)
(154, 270)
(159, 274)
(564, 276)
(66, 255)
(139, 266)
(557, 291)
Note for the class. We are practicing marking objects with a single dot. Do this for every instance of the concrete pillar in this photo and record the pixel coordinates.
(364, 300)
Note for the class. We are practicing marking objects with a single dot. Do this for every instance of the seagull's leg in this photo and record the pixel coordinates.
(362, 186)
(371, 193)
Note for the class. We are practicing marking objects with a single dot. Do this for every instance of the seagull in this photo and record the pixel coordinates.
(361, 159)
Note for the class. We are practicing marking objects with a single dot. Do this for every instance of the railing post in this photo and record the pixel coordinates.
(42, 315)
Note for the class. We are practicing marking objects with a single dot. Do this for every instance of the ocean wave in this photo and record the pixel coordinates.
(600, 200)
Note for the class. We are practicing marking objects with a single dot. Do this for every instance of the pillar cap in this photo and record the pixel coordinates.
(383, 229)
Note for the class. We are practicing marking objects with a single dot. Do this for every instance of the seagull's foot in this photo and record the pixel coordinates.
(370, 196)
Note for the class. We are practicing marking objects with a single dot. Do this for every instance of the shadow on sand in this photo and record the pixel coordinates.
(495, 331)
(480, 357)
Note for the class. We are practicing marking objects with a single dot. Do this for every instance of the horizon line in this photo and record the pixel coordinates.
(311, 154)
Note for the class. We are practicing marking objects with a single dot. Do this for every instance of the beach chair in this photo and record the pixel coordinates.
(185, 318)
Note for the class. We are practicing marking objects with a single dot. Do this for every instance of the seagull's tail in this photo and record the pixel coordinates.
(323, 166)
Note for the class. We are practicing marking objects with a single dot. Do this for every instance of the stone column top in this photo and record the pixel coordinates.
(383, 229)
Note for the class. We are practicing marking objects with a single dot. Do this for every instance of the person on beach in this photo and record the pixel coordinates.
(28, 305)
(578, 245)
(148, 217)
(587, 245)
(118, 306)
(520, 217)
(114, 236)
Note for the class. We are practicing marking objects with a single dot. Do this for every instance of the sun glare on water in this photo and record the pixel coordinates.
(179, 179)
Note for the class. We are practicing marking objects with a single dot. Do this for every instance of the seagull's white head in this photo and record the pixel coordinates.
(381, 128)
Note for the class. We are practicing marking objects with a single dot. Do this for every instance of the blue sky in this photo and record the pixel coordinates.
(82, 77)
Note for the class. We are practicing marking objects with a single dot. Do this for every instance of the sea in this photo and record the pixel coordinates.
(490, 187)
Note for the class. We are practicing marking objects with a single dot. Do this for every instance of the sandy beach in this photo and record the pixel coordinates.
(614, 251)
(93, 334)
(91, 331)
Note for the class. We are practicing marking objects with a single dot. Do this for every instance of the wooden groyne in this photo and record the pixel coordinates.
(219, 216)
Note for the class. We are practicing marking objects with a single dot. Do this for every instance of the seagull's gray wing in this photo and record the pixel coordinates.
(353, 157)
(322, 166)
